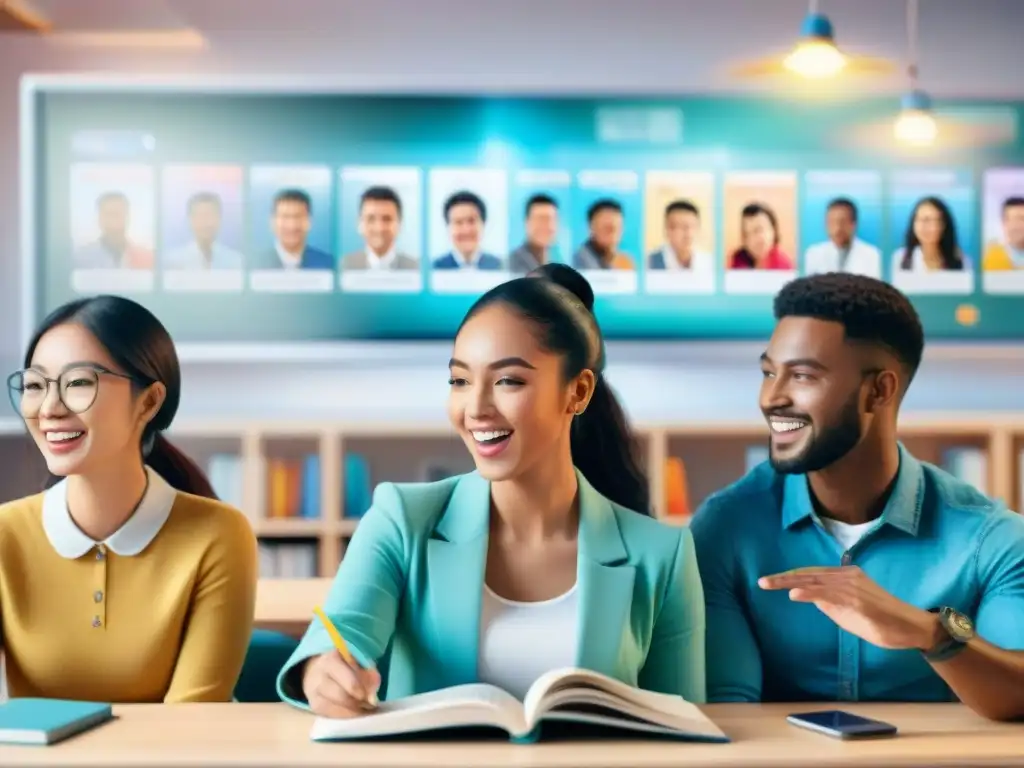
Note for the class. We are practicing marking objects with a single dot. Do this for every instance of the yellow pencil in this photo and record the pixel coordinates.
(341, 646)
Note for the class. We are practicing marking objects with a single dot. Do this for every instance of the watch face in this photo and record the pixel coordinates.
(959, 626)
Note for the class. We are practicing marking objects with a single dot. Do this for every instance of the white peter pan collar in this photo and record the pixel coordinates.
(130, 539)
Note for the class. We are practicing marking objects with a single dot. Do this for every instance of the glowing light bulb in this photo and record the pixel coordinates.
(917, 128)
(916, 125)
(815, 59)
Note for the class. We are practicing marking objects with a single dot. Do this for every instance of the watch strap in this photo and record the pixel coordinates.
(949, 646)
(946, 649)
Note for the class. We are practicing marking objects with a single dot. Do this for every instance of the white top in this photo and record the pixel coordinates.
(847, 534)
(861, 259)
(700, 262)
(384, 261)
(918, 264)
(288, 259)
(473, 262)
(191, 257)
(519, 642)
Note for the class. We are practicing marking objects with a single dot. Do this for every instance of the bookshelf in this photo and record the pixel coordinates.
(305, 521)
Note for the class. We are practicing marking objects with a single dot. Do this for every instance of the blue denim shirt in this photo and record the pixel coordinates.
(939, 542)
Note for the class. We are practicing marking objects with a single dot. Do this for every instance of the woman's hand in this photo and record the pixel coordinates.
(333, 688)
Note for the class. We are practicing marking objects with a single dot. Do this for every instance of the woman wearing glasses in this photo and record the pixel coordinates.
(126, 580)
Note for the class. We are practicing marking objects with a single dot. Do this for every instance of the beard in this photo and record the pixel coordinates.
(826, 448)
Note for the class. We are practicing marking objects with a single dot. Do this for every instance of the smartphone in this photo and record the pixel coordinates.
(842, 725)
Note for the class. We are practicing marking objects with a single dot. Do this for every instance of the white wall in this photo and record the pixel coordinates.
(643, 46)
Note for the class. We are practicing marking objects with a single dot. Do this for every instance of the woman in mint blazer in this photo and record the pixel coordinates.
(544, 557)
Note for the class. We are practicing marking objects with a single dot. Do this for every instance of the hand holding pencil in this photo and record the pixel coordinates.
(334, 683)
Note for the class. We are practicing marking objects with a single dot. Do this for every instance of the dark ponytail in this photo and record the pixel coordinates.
(605, 452)
(144, 351)
(178, 469)
(561, 304)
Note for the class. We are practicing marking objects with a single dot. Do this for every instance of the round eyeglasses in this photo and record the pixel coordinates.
(76, 388)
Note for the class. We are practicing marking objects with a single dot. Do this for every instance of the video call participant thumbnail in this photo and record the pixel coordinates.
(844, 568)
(931, 242)
(466, 216)
(380, 221)
(843, 251)
(204, 251)
(601, 250)
(113, 249)
(541, 234)
(291, 218)
(682, 228)
(759, 232)
(1008, 254)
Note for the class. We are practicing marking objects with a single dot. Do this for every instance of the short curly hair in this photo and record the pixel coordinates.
(870, 311)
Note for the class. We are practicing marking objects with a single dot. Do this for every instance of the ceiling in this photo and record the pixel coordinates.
(968, 47)
(106, 15)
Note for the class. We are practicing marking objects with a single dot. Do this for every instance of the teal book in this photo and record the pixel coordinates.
(358, 487)
(47, 721)
(310, 506)
(563, 697)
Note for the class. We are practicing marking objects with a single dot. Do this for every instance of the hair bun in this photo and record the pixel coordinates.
(570, 279)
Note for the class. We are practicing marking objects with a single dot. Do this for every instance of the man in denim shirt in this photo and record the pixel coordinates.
(844, 569)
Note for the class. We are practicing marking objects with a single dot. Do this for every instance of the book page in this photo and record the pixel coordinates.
(586, 696)
(568, 678)
(464, 705)
(672, 715)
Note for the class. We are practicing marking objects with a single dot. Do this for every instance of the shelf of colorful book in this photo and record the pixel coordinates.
(305, 486)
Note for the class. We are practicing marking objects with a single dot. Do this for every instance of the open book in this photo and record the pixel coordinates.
(576, 696)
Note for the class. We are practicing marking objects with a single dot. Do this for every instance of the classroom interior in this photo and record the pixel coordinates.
(297, 434)
(373, 412)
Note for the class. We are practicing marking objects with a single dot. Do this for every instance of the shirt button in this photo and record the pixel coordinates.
(100, 553)
(96, 621)
(97, 596)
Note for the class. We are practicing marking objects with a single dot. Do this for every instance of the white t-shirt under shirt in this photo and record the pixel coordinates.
(519, 642)
(847, 534)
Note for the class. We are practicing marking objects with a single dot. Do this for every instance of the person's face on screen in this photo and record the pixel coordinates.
(1013, 226)
(113, 219)
(681, 230)
(109, 426)
(204, 218)
(542, 225)
(928, 225)
(811, 395)
(378, 225)
(291, 223)
(508, 399)
(466, 228)
(606, 229)
(758, 234)
(840, 225)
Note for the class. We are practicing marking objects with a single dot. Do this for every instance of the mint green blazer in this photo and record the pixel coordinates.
(408, 593)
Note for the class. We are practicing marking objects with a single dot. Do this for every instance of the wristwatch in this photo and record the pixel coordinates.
(959, 630)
